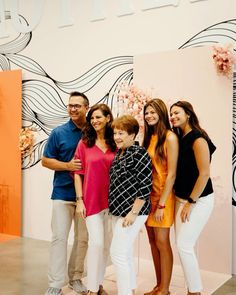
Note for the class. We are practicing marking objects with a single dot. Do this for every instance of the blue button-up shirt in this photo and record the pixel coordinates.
(61, 145)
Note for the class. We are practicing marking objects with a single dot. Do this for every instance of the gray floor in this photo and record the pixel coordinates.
(229, 288)
(23, 269)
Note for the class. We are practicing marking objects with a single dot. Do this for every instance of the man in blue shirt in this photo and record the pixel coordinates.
(59, 156)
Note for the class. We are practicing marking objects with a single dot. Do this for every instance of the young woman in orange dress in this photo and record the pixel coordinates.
(162, 146)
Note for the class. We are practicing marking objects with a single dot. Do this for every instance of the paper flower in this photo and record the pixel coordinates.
(224, 59)
(131, 101)
(26, 141)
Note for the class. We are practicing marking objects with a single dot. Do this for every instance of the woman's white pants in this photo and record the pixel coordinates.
(98, 248)
(187, 234)
(122, 252)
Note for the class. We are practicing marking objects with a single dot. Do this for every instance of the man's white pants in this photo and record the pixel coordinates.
(63, 213)
(187, 234)
(122, 253)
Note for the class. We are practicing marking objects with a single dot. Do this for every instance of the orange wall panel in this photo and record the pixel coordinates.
(10, 159)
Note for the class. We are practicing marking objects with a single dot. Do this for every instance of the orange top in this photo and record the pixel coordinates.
(159, 174)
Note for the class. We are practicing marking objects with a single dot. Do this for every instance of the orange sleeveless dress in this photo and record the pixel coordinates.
(159, 174)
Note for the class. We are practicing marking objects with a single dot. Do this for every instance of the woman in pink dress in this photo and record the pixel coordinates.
(96, 151)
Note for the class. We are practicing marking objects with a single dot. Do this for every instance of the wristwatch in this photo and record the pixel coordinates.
(191, 201)
(79, 198)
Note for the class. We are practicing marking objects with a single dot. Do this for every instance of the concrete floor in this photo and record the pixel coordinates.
(229, 288)
(24, 263)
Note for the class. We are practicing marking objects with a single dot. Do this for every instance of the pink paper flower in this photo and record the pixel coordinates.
(131, 101)
(224, 59)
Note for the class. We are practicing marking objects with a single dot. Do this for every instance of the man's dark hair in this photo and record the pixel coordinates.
(77, 93)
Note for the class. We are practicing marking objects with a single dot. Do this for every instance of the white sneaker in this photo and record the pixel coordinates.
(53, 291)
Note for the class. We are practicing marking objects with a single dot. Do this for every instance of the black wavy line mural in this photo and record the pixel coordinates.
(234, 142)
(223, 32)
(43, 106)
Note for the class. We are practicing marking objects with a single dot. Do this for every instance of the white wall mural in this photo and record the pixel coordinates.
(43, 107)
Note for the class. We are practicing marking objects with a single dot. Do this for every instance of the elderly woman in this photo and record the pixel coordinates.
(129, 204)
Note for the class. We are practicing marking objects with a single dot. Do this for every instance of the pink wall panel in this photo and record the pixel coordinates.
(190, 74)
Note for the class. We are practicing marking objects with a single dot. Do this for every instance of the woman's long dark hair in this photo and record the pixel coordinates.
(193, 119)
(161, 128)
(89, 134)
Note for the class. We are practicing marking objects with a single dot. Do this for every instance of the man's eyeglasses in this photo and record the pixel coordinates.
(74, 106)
